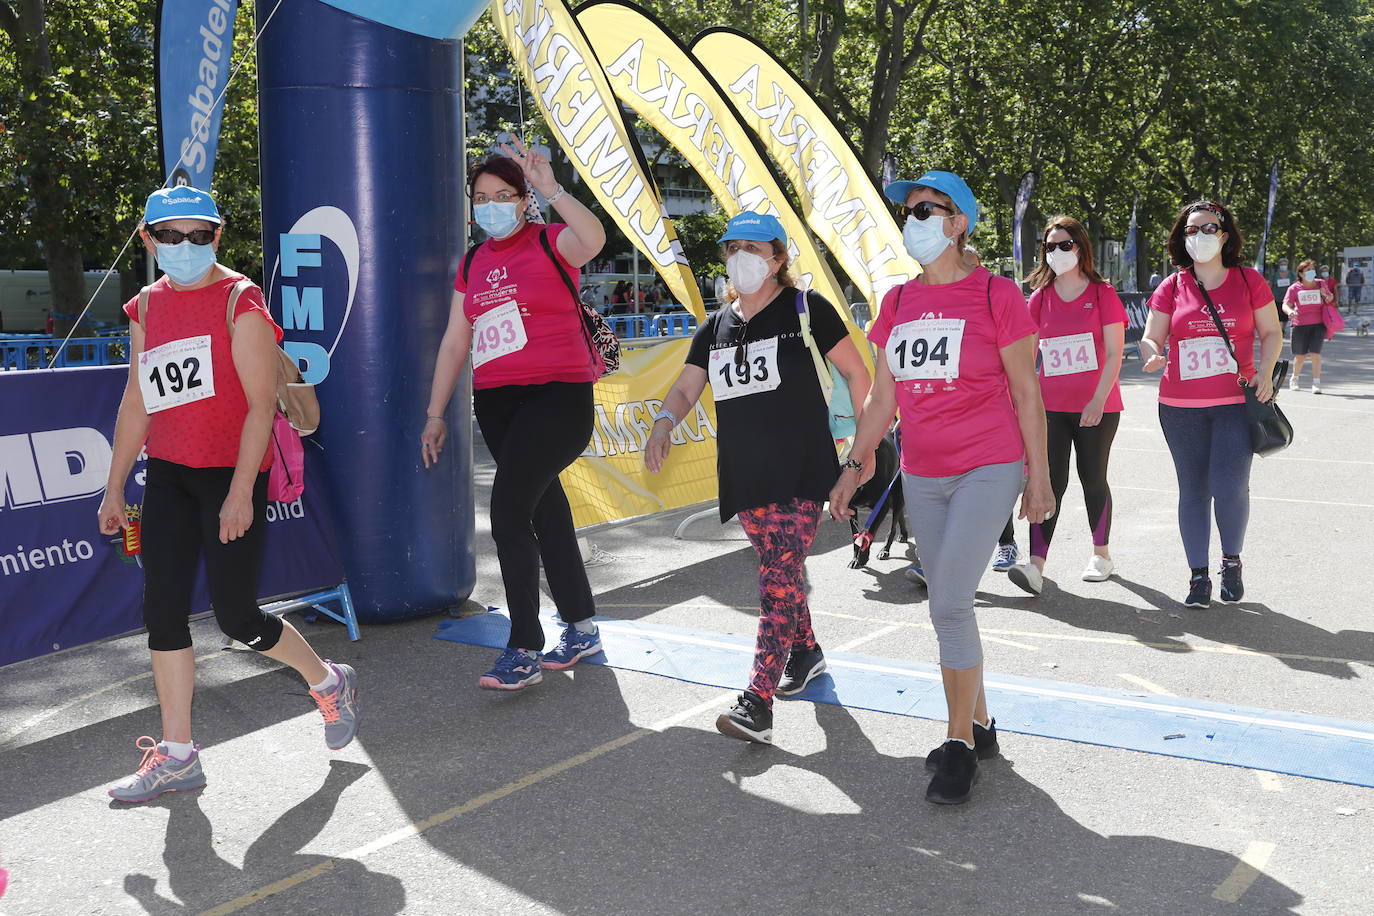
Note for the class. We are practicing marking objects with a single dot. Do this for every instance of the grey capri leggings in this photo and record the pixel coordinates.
(956, 521)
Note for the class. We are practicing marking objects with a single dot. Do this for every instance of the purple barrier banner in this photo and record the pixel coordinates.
(63, 583)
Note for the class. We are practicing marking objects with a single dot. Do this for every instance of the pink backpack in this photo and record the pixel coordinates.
(286, 479)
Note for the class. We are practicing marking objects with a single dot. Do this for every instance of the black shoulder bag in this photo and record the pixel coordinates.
(1270, 431)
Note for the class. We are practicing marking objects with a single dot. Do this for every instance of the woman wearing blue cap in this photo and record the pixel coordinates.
(775, 455)
(959, 348)
(202, 392)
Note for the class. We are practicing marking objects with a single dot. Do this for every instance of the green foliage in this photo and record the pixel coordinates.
(698, 233)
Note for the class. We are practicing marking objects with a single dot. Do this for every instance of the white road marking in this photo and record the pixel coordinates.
(1148, 685)
(1250, 867)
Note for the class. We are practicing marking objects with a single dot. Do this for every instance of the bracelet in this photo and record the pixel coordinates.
(440, 419)
(664, 414)
(851, 464)
(557, 195)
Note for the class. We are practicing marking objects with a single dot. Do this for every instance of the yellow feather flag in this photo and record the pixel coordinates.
(570, 88)
(841, 203)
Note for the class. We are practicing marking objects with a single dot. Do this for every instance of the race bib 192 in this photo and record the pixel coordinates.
(1068, 355)
(925, 349)
(176, 373)
(497, 332)
(1203, 357)
(745, 369)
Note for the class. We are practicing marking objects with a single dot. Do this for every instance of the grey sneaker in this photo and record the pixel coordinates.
(159, 773)
(339, 707)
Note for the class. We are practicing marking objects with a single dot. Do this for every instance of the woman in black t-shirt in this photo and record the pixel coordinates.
(775, 456)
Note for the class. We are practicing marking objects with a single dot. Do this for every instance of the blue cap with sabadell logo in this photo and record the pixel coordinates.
(947, 183)
(180, 203)
(756, 227)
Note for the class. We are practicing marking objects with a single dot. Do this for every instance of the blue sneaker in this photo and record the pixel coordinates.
(515, 669)
(914, 573)
(1006, 557)
(572, 647)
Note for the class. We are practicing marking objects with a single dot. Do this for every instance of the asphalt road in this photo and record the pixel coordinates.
(605, 791)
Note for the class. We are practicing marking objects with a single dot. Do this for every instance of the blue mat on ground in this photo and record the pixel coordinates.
(1262, 739)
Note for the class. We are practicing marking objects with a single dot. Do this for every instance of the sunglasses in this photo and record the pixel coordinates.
(173, 237)
(1066, 245)
(742, 347)
(922, 210)
(1205, 229)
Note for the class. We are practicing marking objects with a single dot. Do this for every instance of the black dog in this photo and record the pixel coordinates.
(889, 501)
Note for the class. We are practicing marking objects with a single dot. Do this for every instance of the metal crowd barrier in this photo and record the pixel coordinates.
(36, 352)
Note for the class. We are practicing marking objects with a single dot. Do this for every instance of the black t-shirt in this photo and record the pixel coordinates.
(772, 446)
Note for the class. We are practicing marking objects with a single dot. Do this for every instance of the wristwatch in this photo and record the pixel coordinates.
(850, 463)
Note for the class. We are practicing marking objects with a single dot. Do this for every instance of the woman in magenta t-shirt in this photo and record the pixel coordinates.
(533, 368)
(1082, 328)
(1201, 403)
(959, 363)
(1305, 303)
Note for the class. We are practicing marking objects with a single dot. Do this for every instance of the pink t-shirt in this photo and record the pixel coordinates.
(204, 433)
(1071, 364)
(1310, 310)
(534, 332)
(1200, 372)
(943, 344)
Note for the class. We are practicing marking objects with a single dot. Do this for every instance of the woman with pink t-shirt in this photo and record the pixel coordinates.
(1305, 304)
(1082, 327)
(959, 350)
(1201, 403)
(533, 368)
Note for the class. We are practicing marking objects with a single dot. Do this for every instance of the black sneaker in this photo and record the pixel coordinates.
(954, 778)
(1232, 589)
(1199, 592)
(749, 719)
(984, 745)
(803, 665)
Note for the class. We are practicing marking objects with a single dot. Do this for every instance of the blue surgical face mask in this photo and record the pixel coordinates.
(925, 239)
(185, 263)
(497, 220)
(1309, 275)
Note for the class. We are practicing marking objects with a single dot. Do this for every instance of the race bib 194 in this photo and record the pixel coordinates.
(497, 332)
(925, 349)
(745, 369)
(1203, 357)
(176, 373)
(1068, 355)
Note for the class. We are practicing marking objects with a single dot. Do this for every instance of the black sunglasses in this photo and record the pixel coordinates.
(173, 237)
(1066, 245)
(922, 210)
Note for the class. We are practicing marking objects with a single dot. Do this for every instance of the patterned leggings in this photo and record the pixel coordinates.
(782, 535)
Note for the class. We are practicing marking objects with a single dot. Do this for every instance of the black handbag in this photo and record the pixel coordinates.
(1270, 431)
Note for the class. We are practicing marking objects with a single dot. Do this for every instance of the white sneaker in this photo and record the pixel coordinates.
(1099, 569)
(1293, 383)
(1027, 578)
(1316, 386)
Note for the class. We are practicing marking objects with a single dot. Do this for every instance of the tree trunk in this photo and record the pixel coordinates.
(67, 282)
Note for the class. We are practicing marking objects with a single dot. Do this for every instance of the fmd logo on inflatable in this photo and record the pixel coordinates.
(316, 296)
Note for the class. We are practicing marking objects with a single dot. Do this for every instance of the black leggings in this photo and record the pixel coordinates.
(534, 432)
(181, 508)
(1093, 446)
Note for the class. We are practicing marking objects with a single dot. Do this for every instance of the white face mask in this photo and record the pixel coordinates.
(1202, 248)
(1061, 262)
(925, 239)
(747, 271)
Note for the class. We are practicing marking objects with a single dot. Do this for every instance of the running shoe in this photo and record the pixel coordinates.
(914, 573)
(1293, 383)
(515, 669)
(1027, 578)
(984, 745)
(1316, 386)
(1199, 592)
(1232, 588)
(803, 665)
(159, 773)
(749, 719)
(955, 774)
(339, 707)
(573, 646)
(1099, 569)
(1006, 557)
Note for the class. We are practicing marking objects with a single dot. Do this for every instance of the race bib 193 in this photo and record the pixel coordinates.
(176, 373)
(497, 332)
(925, 349)
(744, 369)
(1203, 357)
(1068, 355)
